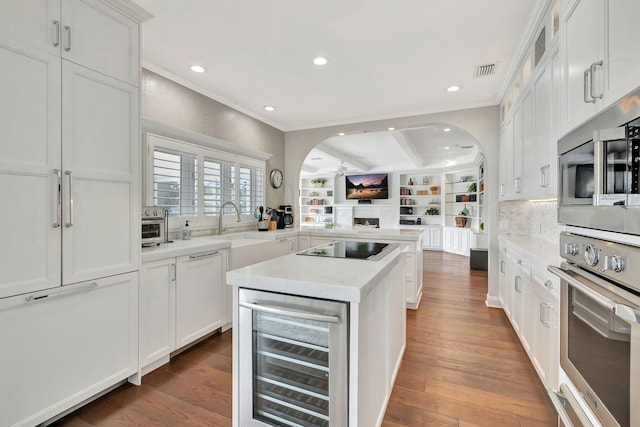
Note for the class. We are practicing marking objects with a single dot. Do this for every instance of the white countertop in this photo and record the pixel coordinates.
(397, 234)
(321, 277)
(234, 240)
(540, 251)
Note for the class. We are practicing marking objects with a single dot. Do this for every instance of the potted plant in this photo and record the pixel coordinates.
(432, 211)
(472, 188)
(318, 182)
(462, 218)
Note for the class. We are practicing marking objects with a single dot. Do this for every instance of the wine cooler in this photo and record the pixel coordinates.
(293, 361)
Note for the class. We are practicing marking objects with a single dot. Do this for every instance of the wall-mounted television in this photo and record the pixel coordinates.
(366, 187)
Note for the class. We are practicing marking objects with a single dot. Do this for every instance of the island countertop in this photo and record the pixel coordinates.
(319, 277)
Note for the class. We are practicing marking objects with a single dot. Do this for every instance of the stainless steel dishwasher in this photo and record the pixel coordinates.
(293, 355)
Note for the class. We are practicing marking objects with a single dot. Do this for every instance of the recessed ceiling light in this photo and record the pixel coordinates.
(198, 69)
(446, 130)
(391, 128)
(319, 60)
(446, 148)
(269, 108)
(341, 134)
(453, 88)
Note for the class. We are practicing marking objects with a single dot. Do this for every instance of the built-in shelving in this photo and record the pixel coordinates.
(317, 201)
(420, 199)
(463, 191)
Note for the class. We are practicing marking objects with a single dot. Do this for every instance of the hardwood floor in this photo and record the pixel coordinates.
(463, 366)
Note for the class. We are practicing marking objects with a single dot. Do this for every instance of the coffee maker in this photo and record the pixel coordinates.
(288, 215)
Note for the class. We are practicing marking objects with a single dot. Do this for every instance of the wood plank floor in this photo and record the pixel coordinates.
(463, 366)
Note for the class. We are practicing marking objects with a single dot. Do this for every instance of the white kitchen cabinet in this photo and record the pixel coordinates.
(506, 160)
(304, 242)
(546, 111)
(502, 277)
(519, 271)
(518, 150)
(71, 343)
(200, 296)
(283, 246)
(545, 320)
(157, 311)
(100, 182)
(72, 158)
(526, 180)
(30, 130)
(432, 238)
(600, 60)
(86, 32)
(457, 240)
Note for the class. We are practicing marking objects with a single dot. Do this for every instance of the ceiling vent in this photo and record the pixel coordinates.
(485, 70)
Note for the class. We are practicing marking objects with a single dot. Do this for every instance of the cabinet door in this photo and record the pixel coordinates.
(35, 23)
(506, 161)
(502, 278)
(546, 337)
(518, 150)
(200, 297)
(621, 45)
(157, 310)
(66, 347)
(101, 171)
(29, 156)
(304, 242)
(545, 145)
(579, 43)
(527, 184)
(96, 36)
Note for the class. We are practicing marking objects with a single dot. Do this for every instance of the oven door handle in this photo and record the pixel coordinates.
(290, 313)
(623, 311)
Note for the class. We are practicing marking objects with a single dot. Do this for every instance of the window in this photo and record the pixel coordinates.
(194, 181)
(251, 188)
(175, 184)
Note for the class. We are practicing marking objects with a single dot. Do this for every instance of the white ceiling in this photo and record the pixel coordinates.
(386, 59)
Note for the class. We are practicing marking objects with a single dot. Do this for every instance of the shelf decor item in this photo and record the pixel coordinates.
(434, 190)
(432, 211)
(461, 219)
(472, 188)
(318, 182)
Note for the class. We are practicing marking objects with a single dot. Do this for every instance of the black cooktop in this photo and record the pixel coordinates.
(371, 251)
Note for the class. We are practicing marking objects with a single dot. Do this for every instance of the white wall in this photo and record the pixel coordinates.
(481, 123)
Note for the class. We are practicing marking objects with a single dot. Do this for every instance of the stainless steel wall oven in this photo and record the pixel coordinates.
(600, 331)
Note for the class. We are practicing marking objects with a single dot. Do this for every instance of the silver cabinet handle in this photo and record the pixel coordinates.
(58, 174)
(173, 272)
(70, 175)
(516, 184)
(502, 263)
(586, 91)
(201, 256)
(502, 189)
(542, 178)
(545, 306)
(518, 284)
(39, 296)
(56, 26)
(290, 313)
(592, 71)
(548, 285)
(67, 31)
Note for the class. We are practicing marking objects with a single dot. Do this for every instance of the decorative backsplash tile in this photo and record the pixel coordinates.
(535, 219)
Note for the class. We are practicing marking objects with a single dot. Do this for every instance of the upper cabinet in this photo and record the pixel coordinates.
(87, 32)
(600, 57)
(530, 124)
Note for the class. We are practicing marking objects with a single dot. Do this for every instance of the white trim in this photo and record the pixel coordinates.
(132, 10)
(188, 136)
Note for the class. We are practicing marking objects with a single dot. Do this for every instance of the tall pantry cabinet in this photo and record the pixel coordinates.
(69, 223)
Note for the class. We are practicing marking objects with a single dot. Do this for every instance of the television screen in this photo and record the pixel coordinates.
(370, 186)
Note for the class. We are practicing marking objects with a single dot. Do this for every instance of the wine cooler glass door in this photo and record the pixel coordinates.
(293, 361)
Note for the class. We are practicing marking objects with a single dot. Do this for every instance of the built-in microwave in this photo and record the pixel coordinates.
(599, 170)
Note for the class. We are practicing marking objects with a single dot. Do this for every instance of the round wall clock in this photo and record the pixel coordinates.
(276, 178)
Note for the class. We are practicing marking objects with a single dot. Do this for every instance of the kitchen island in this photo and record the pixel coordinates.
(372, 293)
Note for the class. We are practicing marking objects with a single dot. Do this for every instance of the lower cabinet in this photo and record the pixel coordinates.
(304, 242)
(432, 238)
(283, 246)
(181, 300)
(530, 298)
(66, 344)
(456, 240)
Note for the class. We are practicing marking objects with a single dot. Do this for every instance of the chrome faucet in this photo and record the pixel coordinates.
(238, 219)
